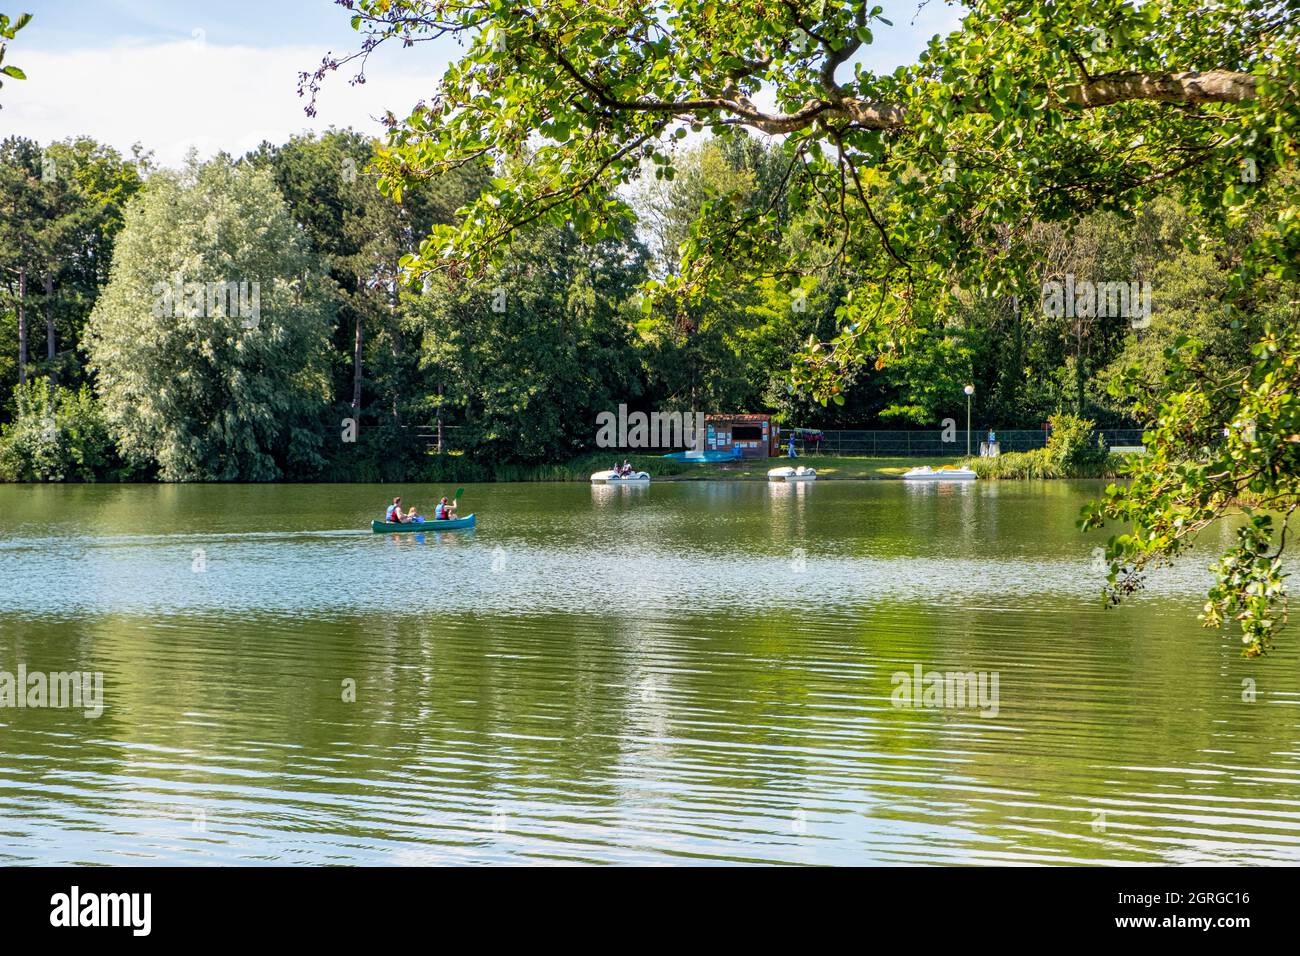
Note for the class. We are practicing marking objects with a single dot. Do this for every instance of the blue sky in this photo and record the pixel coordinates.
(60, 24)
(222, 74)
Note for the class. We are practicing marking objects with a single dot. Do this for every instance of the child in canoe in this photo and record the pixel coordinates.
(395, 515)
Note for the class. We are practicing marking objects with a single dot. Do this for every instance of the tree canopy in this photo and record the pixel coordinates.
(208, 342)
(919, 189)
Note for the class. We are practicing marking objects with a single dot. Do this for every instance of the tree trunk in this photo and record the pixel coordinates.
(49, 326)
(1080, 380)
(395, 340)
(22, 326)
(356, 370)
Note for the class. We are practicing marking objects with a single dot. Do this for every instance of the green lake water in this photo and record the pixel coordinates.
(688, 672)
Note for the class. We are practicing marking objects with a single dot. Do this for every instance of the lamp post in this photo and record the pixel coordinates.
(969, 390)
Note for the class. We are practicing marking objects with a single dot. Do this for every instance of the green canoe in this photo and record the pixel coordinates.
(465, 522)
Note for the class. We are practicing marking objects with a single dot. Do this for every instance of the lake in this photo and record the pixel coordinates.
(686, 672)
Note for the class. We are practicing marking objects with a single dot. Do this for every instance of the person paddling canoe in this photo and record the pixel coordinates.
(445, 511)
(394, 513)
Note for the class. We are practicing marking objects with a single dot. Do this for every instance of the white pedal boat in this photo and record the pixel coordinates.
(942, 473)
(614, 478)
(789, 473)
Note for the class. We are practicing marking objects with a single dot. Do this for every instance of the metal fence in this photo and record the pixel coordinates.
(904, 444)
(866, 443)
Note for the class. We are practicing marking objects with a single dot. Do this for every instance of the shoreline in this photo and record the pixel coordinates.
(420, 480)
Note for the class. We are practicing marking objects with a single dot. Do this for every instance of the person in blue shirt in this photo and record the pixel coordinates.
(394, 513)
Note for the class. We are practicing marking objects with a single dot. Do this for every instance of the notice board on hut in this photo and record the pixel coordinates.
(753, 436)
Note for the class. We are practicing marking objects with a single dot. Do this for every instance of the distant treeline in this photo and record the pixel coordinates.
(246, 319)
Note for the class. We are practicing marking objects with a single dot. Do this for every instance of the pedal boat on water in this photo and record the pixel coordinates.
(942, 473)
(614, 478)
(791, 473)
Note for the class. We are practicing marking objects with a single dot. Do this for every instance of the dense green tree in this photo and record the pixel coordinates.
(209, 342)
(524, 362)
(717, 352)
(361, 236)
(21, 226)
(1190, 274)
(323, 181)
(63, 207)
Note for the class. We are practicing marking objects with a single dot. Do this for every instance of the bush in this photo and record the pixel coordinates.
(1074, 446)
(58, 435)
(1074, 450)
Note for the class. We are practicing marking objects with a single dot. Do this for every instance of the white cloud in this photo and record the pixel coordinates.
(174, 95)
